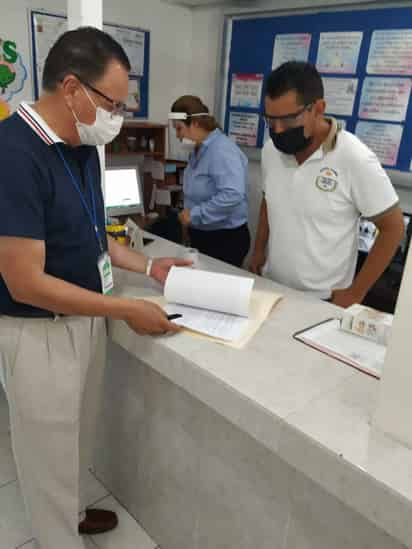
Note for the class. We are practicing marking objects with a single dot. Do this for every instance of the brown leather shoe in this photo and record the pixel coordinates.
(98, 521)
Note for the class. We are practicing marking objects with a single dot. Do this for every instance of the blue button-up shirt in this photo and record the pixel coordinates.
(215, 184)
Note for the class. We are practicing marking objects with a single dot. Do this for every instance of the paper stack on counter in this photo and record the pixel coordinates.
(214, 305)
(369, 323)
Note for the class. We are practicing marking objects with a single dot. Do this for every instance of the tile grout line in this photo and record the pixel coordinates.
(93, 542)
(124, 507)
(25, 543)
(8, 483)
(98, 500)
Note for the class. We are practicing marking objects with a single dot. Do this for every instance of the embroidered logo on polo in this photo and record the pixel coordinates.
(327, 180)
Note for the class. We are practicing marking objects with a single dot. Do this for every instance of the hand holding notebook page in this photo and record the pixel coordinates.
(218, 307)
(211, 303)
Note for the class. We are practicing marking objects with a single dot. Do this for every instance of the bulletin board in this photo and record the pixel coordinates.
(47, 27)
(363, 56)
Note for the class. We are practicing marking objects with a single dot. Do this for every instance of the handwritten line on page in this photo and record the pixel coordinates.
(220, 325)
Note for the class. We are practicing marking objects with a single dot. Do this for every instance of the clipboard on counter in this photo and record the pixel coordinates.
(355, 351)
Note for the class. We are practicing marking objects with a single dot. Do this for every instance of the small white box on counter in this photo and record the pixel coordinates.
(366, 322)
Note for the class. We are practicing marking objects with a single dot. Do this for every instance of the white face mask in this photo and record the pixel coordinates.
(103, 130)
(188, 144)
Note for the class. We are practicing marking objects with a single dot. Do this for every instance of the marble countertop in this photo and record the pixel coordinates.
(312, 411)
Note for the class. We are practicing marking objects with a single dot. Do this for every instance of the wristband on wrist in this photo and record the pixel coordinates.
(149, 266)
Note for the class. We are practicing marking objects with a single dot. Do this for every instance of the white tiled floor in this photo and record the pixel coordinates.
(87, 542)
(14, 529)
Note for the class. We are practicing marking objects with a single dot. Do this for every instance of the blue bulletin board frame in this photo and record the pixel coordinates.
(144, 79)
(251, 43)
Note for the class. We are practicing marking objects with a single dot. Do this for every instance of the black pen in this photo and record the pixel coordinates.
(174, 317)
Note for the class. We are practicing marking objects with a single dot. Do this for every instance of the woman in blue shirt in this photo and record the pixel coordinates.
(214, 185)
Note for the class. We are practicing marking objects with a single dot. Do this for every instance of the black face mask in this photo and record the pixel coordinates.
(291, 141)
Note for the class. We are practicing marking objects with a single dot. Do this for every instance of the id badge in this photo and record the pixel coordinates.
(104, 265)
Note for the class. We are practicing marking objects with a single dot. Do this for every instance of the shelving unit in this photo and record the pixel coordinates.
(137, 139)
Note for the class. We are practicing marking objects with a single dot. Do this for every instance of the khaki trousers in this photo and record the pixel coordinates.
(53, 372)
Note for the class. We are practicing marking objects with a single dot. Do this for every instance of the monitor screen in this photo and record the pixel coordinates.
(123, 192)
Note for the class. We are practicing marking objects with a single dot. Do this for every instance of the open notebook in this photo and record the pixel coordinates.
(224, 308)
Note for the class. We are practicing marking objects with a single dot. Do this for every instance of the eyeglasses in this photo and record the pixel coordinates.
(118, 107)
(288, 119)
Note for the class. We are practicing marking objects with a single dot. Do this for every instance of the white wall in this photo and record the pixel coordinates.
(171, 38)
(205, 53)
(170, 56)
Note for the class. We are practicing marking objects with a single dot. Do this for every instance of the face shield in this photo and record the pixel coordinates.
(181, 142)
(178, 123)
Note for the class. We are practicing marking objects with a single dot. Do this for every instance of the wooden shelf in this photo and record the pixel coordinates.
(142, 125)
(136, 153)
(138, 135)
(178, 163)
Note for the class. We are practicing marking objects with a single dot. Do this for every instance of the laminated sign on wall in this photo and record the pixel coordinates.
(13, 74)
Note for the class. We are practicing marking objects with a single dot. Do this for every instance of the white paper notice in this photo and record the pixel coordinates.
(339, 52)
(158, 170)
(340, 95)
(47, 30)
(385, 99)
(133, 42)
(391, 52)
(163, 197)
(246, 90)
(133, 103)
(383, 139)
(205, 290)
(243, 128)
(290, 47)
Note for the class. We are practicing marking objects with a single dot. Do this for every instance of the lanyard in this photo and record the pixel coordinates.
(91, 213)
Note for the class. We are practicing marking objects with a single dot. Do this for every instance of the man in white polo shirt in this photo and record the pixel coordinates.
(318, 180)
